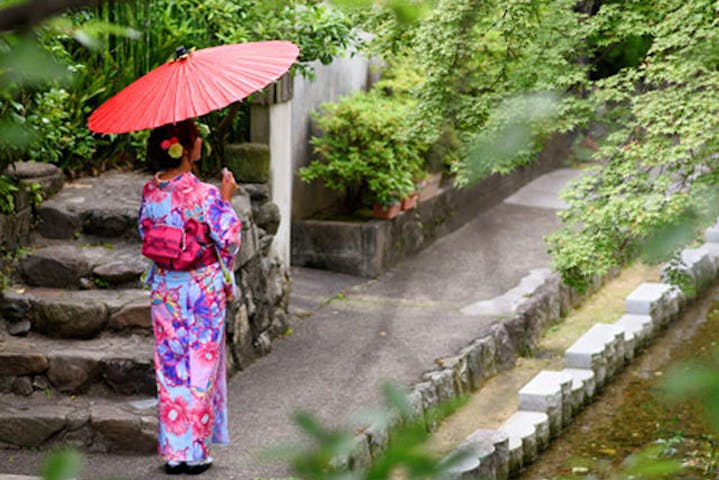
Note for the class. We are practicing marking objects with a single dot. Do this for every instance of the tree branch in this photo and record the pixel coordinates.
(27, 14)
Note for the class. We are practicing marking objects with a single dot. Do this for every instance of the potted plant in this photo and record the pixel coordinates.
(365, 152)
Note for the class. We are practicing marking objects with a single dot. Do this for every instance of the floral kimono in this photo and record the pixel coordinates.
(188, 313)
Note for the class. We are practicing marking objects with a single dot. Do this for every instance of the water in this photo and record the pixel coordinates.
(632, 414)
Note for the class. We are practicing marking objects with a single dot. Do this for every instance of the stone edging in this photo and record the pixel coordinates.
(483, 358)
(550, 400)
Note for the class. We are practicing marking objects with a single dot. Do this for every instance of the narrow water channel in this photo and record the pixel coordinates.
(631, 414)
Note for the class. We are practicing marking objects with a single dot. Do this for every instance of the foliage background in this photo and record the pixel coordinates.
(106, 47)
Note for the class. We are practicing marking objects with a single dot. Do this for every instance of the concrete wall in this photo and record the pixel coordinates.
(342, 77)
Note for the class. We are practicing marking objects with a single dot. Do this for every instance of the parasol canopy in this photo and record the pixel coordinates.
(194, 83)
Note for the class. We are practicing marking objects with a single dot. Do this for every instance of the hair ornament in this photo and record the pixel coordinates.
(173, 147)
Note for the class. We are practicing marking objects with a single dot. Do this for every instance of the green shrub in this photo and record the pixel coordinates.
(62, 137)
(365, 150)
(109, 45)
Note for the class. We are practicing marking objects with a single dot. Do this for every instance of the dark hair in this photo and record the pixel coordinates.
(186, 133)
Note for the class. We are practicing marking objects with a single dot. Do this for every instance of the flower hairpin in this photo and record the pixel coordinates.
(173, 147)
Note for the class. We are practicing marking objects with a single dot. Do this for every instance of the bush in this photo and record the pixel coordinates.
(365, 149)
(118, 55)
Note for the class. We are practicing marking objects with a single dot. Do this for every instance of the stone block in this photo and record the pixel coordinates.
(416, 408)
(54, 221)
(618, 343)
(485, 456)
(589, 352)
(540, 421)
(22, 386)
(19, 329)
(117, 430)
(249, 162)
(522, 442)
(239, 335)
(129, 376)
(649, 299)
(60, 266)
(21, 361)
(641, 326)
(267, 217)
(47, 175)
(120, 272)
(133, 315)
(430, 400)
(700, 264)
(69, 318)
(583, 387)
(676, 300)
(31, 427)
(443, 381)
(505, 352)
(488, 356)
(550, 393)
(72, 372)
(459, 364)
(110, 221)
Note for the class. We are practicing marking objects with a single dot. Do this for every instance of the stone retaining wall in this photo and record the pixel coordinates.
(370, 248)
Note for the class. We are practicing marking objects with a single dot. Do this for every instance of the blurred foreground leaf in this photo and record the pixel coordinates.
(511, 131)
(649, 464)
(61, 465)
(23, 61)
(14, 134)
(329, 451)
(694, 381)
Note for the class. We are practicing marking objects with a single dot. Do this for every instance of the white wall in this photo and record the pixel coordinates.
(280, 174)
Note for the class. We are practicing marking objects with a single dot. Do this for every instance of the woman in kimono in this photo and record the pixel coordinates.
(188, 305)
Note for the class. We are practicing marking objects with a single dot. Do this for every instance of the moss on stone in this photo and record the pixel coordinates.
(249, 162)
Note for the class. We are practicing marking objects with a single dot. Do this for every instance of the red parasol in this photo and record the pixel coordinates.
(196, 82)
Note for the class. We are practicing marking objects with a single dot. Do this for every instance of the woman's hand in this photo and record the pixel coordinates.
(229, 186)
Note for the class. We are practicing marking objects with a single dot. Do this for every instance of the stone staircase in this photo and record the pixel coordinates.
(75, 334)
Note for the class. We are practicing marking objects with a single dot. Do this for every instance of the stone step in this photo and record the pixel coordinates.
(653, 299)
(617, 345)
(105, 205)
(108, 205)
(74, 313)
(551, 393)
(699, 264)
(121, 365)
(584, 387)
(600, 349)
(528, 434)
(641, 326)
(485, 455)
(93, 424)
(84, 265)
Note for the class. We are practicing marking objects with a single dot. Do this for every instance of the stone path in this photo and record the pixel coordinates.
(348, 336)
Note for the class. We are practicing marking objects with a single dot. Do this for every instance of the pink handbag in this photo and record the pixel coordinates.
(174, 248)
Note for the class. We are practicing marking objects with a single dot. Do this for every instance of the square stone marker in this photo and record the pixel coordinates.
(647, 299)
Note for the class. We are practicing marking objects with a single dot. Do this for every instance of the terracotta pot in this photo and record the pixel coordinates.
(430, 187)
(410, 201)
(386, 211)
